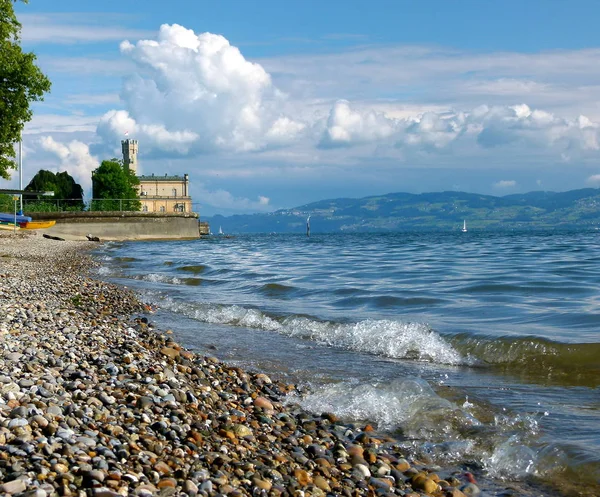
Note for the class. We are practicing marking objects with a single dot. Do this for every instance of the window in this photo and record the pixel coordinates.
(145, 208)
(162, 208)
(174, 192)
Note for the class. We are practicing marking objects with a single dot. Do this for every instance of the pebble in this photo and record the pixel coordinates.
(94, 401)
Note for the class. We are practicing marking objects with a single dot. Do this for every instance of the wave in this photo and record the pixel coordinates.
(431, 427)
(125, 259)
(159, 278)
(386, 301)
(569, 363)
(409, 405)
(276, 290)
(200, 268)
(540, 360)
(387, 338)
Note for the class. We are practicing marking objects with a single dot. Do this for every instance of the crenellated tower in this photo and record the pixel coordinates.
(130, 151)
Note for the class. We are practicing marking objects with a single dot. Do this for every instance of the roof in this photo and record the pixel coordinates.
(161, 178)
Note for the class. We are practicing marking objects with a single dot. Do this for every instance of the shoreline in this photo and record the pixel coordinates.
(94, 401)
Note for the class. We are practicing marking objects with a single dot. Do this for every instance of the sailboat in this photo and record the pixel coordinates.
(220, 231)
(464, 228)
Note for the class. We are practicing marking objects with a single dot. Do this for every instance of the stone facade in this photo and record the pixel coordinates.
(158, 193)
(165, 193)
(130, 151)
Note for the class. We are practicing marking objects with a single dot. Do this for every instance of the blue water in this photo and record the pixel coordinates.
(471, 348)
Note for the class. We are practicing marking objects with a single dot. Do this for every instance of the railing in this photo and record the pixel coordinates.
(77, 205)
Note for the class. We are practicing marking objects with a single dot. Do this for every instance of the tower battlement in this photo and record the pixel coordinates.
(130, 151)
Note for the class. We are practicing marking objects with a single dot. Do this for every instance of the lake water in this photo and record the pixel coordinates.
(478, 350)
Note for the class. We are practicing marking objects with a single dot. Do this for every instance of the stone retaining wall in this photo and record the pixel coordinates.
(118, 226)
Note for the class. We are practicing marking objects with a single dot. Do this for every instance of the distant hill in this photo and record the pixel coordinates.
(426, 212)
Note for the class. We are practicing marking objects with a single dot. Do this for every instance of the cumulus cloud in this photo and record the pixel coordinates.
(519, 123)
(347, 126)
(74, 157)
(487, 127)
(192, 94)
(223, 199)
(197, 93)
(506, 183)
(594, 180)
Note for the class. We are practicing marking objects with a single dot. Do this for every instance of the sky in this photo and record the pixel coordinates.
(271, 104)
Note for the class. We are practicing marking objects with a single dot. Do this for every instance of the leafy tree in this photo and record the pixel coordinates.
(21, 83)
(111, 181)
(67, 193)
(6, 203)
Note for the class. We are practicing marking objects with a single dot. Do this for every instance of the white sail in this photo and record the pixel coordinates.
(464, 228)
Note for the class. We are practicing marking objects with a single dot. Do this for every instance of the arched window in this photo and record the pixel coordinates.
(145, 208)
(162, 208)
(174, 192)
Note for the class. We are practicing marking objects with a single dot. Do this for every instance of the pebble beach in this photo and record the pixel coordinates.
(94, 401)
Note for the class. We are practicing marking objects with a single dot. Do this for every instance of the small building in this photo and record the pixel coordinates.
(168, 193)
(165, 193)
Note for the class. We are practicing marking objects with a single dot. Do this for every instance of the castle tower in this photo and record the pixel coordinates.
(130, 151)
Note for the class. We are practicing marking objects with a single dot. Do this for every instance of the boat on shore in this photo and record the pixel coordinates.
(37, 225)
(12, 218)
(9, 226)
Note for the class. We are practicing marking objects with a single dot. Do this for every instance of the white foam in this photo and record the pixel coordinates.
(511, 459)
(410, 405)
(160, 278)
(386, 338)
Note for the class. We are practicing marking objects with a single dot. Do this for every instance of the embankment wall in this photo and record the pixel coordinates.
(119, 226)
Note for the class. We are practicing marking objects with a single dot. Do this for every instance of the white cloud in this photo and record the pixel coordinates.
(60, 123)
(197, 92)
(74, 28)
(91, 99)
(488, 127)
(505, 184)
(594, 180)
(347, 126)
(117, 123)
(84, 66)
(74, 157)
(223, 199)
(194, 95)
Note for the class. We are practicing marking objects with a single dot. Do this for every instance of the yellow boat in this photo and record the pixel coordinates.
(38, 225)
(10, 227)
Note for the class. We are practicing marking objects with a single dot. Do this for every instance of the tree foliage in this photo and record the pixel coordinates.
(112, 182)
(67, 194)
(6, 203)
(21, 83)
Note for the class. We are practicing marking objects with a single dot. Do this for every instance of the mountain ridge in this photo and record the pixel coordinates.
(401, 211)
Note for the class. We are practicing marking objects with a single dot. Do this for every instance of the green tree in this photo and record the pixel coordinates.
(111, 181)
(67, 194)
(21, 83)
(6, 203)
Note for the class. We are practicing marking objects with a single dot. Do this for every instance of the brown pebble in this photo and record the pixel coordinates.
(264, 403)
(262, 484)
(167, 483)
(321, 483)
(302, 476)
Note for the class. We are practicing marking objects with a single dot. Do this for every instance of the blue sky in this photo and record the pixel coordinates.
(275, 104)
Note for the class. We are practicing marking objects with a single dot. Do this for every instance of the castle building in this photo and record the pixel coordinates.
(130, 151)
(158, 193)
